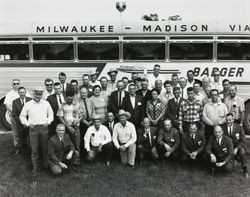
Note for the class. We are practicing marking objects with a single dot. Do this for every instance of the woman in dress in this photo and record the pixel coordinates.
(155, 109)
(99, 103)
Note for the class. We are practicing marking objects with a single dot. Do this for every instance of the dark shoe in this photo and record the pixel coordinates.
(132, 166)
(108, 163)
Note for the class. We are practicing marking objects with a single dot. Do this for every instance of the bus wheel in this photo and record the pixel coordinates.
(5, 117)
(246, 125)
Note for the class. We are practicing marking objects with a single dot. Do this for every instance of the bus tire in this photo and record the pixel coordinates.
(4, 117)
(246, 125)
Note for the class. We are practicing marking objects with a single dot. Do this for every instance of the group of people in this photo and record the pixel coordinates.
(148, 116)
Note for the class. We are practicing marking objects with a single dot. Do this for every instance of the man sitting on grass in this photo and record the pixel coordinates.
(219, 151)
(61, 151)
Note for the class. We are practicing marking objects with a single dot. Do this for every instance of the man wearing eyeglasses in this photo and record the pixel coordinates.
(48, 88)
(9, 98)
(216, 84)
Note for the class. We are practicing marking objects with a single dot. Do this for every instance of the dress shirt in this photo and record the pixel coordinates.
(38, 113)
(230, 130)
(152, 78)
(132, 100)
(184, 92)
(95, 137)
(70, 113)
(58, 99)
(216, 85)
(125, 135)
(112, 85)
(90, 107)
(95, 83)
(235, 106)
(190, 84)
(214, 113)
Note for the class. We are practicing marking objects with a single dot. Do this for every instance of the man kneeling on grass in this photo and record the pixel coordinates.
(61, 152)
(192, 144)
(98, 140)
(219, 151)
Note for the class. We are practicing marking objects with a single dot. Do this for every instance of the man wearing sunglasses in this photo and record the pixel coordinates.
(49, 90)
(9, 98)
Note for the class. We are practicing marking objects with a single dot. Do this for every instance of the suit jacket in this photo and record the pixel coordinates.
(189, 145)
(238, 135)
(113, 107)
(68, 88)
(144, 139)
(224, 152)
(106, 123)
(147, 96)
(52, 99)
(173, 109)
(138, 112)
(17, 107)
(57, 151)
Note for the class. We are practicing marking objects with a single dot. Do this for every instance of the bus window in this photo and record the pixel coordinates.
(53, 51)
(191, 51)
(144, 51)
(14, 52)
(233, 51)
(98, 51)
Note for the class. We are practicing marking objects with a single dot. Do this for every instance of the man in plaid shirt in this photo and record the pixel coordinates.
(190, 111)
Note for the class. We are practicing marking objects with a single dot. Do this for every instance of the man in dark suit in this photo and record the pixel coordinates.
(219, 151)
(20, 133)
(61, 151)
(192, 144)
(236, 133)
(147, 141)
(110, 123)
(116, 98)
(144, 91)
(173, 107)
(65, 86)
(55, 100)
(134, 104)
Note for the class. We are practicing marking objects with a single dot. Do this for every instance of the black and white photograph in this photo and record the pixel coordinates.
(130, 98)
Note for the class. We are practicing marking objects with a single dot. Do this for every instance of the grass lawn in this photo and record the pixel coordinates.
(98, 180)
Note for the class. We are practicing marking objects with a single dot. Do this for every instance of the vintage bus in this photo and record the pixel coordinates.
(34, 51)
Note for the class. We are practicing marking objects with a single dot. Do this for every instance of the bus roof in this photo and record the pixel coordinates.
(127, 27)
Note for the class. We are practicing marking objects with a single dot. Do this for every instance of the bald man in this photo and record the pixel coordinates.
(147, 141)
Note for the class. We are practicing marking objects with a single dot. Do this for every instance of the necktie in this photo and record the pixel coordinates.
(110, 127)
(218, 142)
(22, 101)
(149, 139)
(87, 111)
(182, 93)
(60, 100)
(62, 142)
(120, 100)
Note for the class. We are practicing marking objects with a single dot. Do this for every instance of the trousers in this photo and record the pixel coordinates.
(128, 156)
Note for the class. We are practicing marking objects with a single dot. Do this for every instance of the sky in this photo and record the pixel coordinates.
(104, 10)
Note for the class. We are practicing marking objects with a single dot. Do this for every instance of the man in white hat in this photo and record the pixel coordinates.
(37, 114)
(112, 83)
(93, 78)
(98, 140)
(124, 138)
